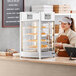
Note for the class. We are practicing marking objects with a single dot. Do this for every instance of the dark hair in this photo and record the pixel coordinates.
(72, 23)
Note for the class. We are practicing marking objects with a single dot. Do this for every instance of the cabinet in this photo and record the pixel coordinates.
(37, 34)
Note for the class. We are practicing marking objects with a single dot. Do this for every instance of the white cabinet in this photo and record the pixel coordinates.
(37, 34)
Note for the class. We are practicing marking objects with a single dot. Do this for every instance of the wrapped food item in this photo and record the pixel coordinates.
(9, 52)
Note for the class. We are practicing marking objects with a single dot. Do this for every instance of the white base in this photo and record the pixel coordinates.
(36, 54)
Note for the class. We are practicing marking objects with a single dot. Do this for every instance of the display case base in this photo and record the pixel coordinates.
(36, 54)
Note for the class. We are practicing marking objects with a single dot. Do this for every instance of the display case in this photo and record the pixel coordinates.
(37, 34)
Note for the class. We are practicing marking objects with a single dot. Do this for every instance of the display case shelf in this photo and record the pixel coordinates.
(32, 27)
(35, 34)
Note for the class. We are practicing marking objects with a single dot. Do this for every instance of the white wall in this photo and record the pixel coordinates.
(72, 3)
(9, 37)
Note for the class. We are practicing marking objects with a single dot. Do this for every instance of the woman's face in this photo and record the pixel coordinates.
(65, 26)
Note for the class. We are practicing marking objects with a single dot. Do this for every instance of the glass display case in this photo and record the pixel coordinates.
(37, 34)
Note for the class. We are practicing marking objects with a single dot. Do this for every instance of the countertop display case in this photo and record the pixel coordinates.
(37, 34)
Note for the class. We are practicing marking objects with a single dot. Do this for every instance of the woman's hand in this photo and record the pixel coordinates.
(58, 45)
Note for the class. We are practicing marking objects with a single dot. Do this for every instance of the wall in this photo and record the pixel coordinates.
(9, 37)
(50, 2)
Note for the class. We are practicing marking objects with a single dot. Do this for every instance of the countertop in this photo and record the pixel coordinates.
(55, 60)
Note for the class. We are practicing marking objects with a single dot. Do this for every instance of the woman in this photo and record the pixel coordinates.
(68, 34)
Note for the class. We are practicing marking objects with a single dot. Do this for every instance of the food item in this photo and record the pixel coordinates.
(42, 46)
(36, 27)
(43, 26)
(2, 53)
(33, 46)
(35, 40)
(43, 33)
(43, 40)
(35, 33)
(32, 33)
(9, 54)
(33, 27)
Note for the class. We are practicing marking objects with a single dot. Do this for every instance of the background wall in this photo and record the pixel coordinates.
(51, 2)
(9, 37)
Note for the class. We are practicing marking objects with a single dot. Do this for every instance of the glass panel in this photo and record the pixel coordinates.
(46, 38)
(30, 38)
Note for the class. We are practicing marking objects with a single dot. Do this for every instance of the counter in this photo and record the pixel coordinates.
(56, 60)
(14, 66)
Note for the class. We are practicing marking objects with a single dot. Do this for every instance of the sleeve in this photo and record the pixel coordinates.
(72, 43)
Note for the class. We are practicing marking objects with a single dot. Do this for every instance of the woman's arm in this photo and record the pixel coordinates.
(72, 43)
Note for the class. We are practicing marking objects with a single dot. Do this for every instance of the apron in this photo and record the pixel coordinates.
(62, 39)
